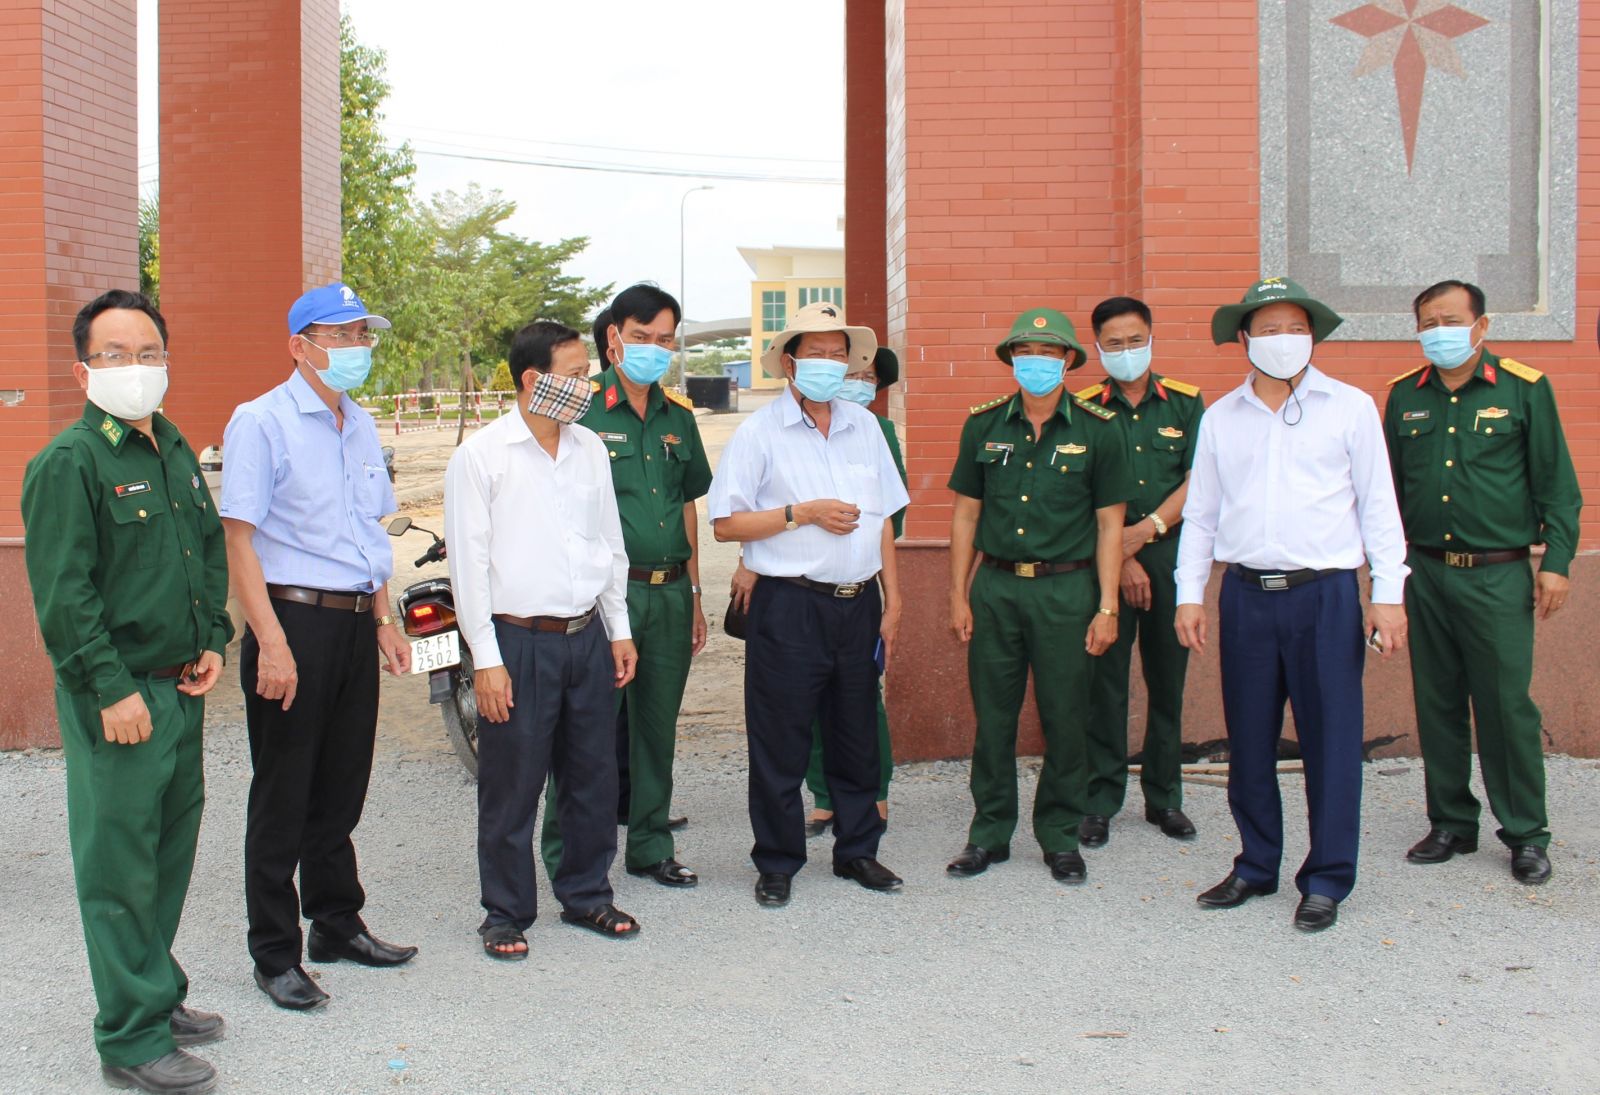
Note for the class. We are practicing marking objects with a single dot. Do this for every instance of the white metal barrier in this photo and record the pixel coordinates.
(409, 417)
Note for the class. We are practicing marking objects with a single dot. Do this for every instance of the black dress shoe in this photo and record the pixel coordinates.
(870, 873)
(1066, 866)
(176, 1073)
(1232, 891)
(772, 889)
(1530, 865)
(1438, 846)
(194, 1028)
(1174, 822)
(1094, 830)
(676, 823)
(974, 860)
(292, 989)
(364, 948)
(1316, 913)
(668, 872)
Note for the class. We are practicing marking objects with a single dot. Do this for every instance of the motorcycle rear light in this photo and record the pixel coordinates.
(428, 618)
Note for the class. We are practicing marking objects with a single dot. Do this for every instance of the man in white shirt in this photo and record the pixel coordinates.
(807, 485)
(538, 564)
(1291, 489)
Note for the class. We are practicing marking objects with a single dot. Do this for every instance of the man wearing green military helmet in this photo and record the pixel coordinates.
(1041, 483)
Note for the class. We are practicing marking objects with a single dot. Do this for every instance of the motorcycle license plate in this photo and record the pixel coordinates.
(436, 652)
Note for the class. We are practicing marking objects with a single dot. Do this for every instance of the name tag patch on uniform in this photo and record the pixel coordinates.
(1169, 431)
(133, 488)
(613, 437)
(1413, 416)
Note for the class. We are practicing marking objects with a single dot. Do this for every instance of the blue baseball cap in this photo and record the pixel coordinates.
(336, 304)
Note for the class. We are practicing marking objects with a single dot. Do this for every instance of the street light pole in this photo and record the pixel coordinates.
(683, 292)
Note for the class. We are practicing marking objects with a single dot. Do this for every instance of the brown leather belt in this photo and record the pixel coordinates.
(561, 625)
(322, 598)
(1036, 570)
(656, 576)
(171, 672)
(843, 590)
(1469, 559)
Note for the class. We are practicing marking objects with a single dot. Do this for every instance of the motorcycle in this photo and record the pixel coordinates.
(428, 616)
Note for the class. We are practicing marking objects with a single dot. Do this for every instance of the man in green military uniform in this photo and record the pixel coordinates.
(1159, 419)
(1041, 482)
(659, 468)
(129, 574)
(1482, 471)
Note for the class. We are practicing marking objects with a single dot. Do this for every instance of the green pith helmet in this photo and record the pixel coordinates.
(1044, 325)
(1229, 319)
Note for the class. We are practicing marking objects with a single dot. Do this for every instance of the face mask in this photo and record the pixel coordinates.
(1125, 365)
(858, 391)
(1448, 347)
(645, 363)
(129, 392)
(818, 379)
(563, 398)
(348, 367)
(1037, 374)
(1281, 357)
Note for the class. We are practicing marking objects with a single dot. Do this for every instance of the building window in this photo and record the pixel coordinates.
(772, 309)
(831, 294)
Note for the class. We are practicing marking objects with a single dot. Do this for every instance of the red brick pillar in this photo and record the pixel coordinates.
(866, 282)
(68, 232)
(249, 192)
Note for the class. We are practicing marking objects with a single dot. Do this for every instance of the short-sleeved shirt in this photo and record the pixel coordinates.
(1040, 493)
(1160, 435)
(315, 493)
(1485, 467)
(658, 464)
(125, 554)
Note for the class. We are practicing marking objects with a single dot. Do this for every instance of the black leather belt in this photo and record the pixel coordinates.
(1036, 570)
(656, 576)
(1469, 559)
(1277, 580)
(323, 598)
(561, 625)
(171, 672)
(843, 590)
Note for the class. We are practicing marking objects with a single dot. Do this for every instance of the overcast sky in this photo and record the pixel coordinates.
(700, 89)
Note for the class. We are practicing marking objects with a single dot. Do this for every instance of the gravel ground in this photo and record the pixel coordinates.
(1444, 979)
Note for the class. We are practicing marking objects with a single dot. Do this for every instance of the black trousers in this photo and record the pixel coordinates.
(808, 656)
(563, 720)
(312, 763)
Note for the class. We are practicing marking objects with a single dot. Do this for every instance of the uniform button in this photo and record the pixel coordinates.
(652, 490)
(1488, 429)
(175, 505)
(142, 513)
(1028, 438)
(1136, 418)
(1413, 433)
(186, 553)
(1024, 497)
(197, 600)
(647, 457)
(1449, 463)
(1021, 531)
(661, 524)
(1138, 448)
(613, 454)
(1447, 498)
(1447, 536)
(1452, 429)
(1029, 464)
(1141, 482)
(1455, 399)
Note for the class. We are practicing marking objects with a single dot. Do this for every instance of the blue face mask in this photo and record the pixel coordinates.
(645, 362)
(1447, 347)
(858, 391)
(348, 367)
(818, 379)
(1037, 374)
(1126, 365)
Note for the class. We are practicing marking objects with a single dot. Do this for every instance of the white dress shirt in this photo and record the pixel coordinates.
(529, 535)
(775, 459)
(1314, 495)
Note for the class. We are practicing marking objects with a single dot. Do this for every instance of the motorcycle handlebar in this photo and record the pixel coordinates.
(432, 555)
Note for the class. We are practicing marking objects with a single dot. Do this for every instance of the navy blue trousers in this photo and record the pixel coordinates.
(1303, 645)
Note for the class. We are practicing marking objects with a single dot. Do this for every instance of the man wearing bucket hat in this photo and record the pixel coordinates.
(807, 485)
(1158, 420)
(304, 489)
(1291, 490)
(1041, 482)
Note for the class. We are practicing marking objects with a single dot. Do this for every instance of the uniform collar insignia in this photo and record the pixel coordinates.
(1105, 395)
(612, 396)
(1161, 389)
(1489, 373)
(112, 430)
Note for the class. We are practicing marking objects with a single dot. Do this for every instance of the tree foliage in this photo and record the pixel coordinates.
(150, 248)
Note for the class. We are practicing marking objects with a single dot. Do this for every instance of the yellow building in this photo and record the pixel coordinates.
(787, 279)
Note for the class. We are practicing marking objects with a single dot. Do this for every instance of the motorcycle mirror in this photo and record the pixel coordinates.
(399, 526)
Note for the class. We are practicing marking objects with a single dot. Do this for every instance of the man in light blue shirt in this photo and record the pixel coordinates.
(807, 484)
(303, 491)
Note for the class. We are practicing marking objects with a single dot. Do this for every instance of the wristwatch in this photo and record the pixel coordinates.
(788, 519)
(1107, 611)
(694, 589)
(385, 620)
(1161, 526)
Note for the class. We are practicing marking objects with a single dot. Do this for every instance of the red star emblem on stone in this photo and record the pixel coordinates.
(1413, 36)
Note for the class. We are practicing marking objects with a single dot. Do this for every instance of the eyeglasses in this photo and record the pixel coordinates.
(117, 358)
(345, 338)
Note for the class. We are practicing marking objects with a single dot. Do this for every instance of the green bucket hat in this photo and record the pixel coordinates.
(1044, 325)
(1229, 319)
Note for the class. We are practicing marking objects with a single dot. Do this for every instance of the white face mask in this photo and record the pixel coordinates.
(130, 392)
(1282, 357)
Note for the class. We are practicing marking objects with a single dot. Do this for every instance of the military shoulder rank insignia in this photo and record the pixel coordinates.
(1090, 392)
(594, 385)
(1410, 373)
(681, 400)
(1179, 386)
(1170, 431)
(1103, 413)
(989, 406)
(112, 429)
(1520, 371)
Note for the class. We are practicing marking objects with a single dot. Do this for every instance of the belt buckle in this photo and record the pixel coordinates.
(1274, 581)
(577, 624)
(846, 590)
(1023, 570)
(1458, 559)
(658, 577)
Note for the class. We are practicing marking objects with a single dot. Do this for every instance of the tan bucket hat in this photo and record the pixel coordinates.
(821, 316)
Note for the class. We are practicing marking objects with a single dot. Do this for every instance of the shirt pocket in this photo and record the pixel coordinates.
(1169, 449)
(140, 528)
(581, 503)
(1494, 445)
(619, 446)
(866, 493)
(372, 490)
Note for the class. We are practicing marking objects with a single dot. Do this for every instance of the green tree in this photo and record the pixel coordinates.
(530, 274)
(375, 201)
(150, 248)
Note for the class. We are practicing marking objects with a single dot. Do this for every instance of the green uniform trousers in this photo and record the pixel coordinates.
(819, 783)
(1165, 663)
(1018, 623)
(659, 617)
(1472, 641)
(133, 816)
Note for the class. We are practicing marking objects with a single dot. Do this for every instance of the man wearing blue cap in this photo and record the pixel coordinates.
(304, 489)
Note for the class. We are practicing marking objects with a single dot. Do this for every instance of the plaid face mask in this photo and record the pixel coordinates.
(563, 398)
